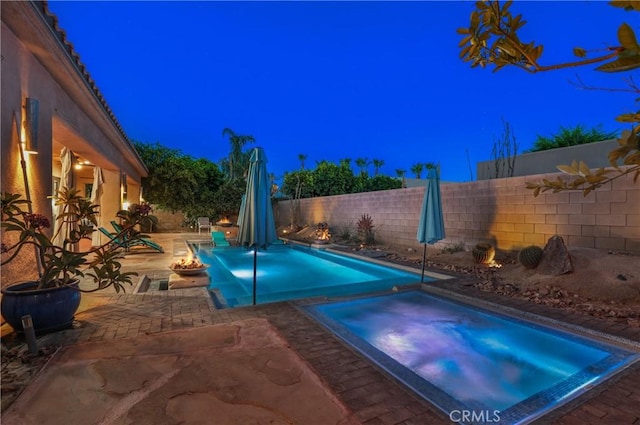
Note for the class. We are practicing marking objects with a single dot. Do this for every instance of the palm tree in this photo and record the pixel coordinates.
(417, 169)
(430, 165)
(363, 163)
(377, 164)
(236, 166)
(400, 173)
(302, 157)
(346, 162)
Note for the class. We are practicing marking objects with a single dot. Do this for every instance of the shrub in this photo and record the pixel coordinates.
(365, 229)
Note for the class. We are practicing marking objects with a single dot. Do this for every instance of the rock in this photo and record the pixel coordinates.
(555, 259)
(621, 277)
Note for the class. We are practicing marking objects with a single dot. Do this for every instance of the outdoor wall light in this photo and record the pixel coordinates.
(123, 183)
(32, 107)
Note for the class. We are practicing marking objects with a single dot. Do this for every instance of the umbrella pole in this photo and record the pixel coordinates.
(424, 260)
(255, 264)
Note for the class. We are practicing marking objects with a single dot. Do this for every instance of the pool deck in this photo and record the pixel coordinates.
(258, 358)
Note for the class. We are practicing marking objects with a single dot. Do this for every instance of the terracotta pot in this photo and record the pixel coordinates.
(51, 309)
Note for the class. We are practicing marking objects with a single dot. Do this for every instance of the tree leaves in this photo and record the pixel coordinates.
(627, 38)
(492, 39)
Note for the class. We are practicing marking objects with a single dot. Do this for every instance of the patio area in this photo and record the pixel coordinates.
(337, 379)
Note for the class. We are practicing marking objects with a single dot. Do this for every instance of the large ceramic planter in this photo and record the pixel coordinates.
(51, 309)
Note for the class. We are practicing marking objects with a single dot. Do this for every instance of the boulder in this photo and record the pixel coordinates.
(556, 259)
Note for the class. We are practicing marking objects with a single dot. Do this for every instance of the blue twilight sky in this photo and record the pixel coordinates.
(334, 80)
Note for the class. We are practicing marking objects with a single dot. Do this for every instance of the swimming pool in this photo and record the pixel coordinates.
(287, 272)
(472, 363)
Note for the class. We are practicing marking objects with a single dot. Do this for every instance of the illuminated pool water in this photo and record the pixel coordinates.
(464, 359)
(287, 272)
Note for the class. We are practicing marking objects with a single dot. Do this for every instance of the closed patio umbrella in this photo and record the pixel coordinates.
(96, 194)
(66, 181)
(258, 226)
(243, 203)
(431, 224)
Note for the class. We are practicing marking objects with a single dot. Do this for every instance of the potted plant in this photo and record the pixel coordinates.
(54, 297)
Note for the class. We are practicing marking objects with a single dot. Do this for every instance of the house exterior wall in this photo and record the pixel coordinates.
(500, 211)
(37, 63)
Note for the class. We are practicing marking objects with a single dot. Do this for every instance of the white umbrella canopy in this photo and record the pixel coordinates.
(66, 181)
(96, 194)
(258, 226)
(431, 224)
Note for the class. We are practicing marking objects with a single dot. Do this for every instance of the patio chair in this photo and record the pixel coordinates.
(204, 224)
(125, 242)
(219, 239)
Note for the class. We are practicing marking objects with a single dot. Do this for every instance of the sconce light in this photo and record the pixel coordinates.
(32, 107)
(123, 182)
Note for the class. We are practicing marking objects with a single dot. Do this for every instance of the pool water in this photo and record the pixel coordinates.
(287, 272)
(464, 359)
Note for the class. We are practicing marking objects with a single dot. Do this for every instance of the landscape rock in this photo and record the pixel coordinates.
(556, 259)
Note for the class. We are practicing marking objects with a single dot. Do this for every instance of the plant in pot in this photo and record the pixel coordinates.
(54, 297)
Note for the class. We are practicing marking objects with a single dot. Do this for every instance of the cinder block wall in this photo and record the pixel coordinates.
(169, 222)
(500, 211)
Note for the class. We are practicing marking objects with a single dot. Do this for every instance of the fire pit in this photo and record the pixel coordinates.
(225, 222)
(188, 267)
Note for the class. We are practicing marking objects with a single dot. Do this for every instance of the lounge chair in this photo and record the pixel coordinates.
(219, 239)
(121, 240)
(204, 224)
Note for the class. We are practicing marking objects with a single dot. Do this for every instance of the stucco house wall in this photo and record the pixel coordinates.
(39, 63)
(500, 211)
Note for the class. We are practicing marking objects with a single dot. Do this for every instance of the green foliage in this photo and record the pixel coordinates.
(363, 163)
(60, 263)
(417, 169)
(329, 178)
(228, 198)
(382, 182)
(577, 135)
(178, 182)
(377, 164)
(332, 179)
(237, 163)
(297, 182)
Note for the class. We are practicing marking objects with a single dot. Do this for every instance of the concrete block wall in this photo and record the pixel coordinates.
(169, 222)
(500, 211)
